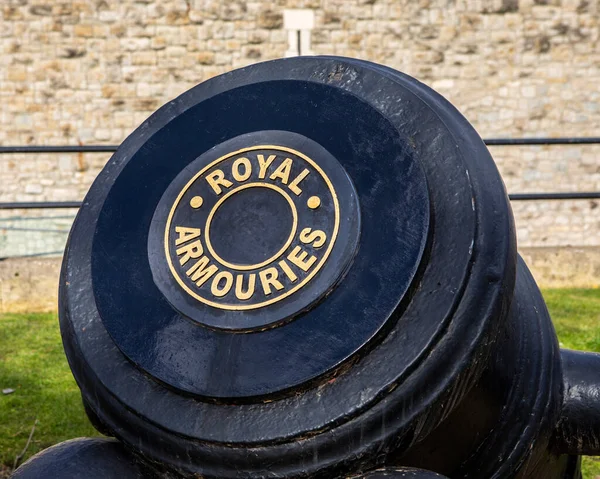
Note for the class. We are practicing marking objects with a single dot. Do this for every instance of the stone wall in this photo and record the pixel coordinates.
(89, 71)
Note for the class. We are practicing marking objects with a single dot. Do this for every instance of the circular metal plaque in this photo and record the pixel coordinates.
(252, 229)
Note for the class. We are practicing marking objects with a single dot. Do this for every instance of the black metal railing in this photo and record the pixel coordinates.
(15, 205)
(593, 140)
(590, 140)
(581, 195)
(29, 205)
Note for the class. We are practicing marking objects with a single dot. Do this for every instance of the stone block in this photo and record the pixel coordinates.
(270, 19)
(34, 189)
(205, 58)
(83, 30)
(143, 58)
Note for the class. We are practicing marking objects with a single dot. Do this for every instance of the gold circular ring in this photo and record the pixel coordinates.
(245, 307)
(246, 267)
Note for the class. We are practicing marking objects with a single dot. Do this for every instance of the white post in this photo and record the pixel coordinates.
(298, 22)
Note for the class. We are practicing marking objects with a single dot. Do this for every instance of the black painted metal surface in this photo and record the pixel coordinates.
(400, 472)
(578, 430)
(308, 268)
(84, 459)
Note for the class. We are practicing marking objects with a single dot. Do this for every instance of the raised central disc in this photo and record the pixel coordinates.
(258, 232)
(251, 226)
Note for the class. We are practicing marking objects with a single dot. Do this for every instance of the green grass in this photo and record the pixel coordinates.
(33, 363)
(576, 317)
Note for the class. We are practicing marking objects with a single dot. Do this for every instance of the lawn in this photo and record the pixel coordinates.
(32, 363)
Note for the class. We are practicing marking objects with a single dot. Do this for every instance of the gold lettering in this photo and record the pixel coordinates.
(192, 250)
(216, 179)
(239, 283)
(317, 237)
(235, 169)
(264, 164)
(186, 234)
(283, 171)
(288, 271)
(201, 273)
(294, 184)
(297, 256)
(268, 278)
(217, 290)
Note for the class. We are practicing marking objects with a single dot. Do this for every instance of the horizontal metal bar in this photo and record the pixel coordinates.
(113, 148)
(37, 218)
(43, 230)
(585, 195)
(28, 205)
(541, 141)
(590, 195)
(32, 255)
(60, 149)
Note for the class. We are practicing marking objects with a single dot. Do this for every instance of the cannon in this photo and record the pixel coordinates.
(308, 268)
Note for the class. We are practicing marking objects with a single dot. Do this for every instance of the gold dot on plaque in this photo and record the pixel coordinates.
(196, 202)
(314, 202)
